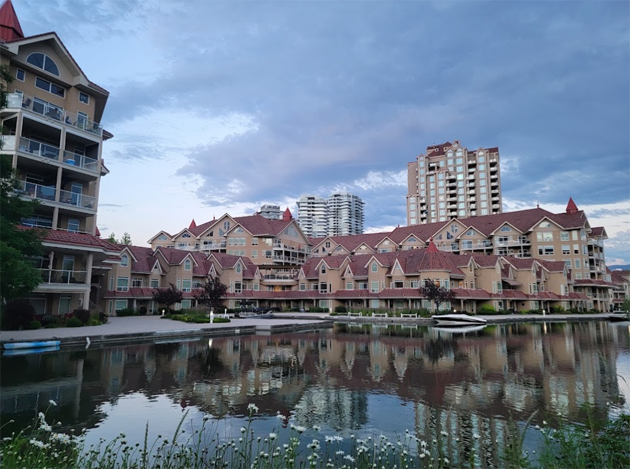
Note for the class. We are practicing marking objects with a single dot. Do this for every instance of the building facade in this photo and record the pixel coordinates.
(272, 212)
(449, 181)
(338, 215)
(52, 131)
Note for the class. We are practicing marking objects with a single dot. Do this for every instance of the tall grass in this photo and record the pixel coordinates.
(289, 446)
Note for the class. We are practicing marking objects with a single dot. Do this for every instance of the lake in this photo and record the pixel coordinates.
(353, 379)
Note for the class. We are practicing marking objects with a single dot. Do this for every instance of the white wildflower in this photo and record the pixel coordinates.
(349, 458)
(317, 428)
(53, 403)
(252, 408)
(273, 436)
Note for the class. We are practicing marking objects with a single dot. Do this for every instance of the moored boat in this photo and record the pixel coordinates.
(27, 345)
(451, 320)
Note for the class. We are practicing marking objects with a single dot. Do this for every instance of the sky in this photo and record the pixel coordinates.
(222, 106)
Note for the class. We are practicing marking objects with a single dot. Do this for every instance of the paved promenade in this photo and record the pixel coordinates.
(125, 329)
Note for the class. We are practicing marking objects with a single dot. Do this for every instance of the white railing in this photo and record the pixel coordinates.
(37, 191)
(46, 109)
(77, 200)
(80, 161)
(8, 142)
(36, 148)
(479, 245)
(214, 245)
(63, 276)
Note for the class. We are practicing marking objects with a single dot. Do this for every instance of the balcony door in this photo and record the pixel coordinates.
(77, 190)
(67, 269)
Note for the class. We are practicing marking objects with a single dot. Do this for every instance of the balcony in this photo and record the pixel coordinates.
(39, 192)
(77, 200)
(63, 276)
(214, 245)
(51, 111)
(80, 161)
(33, 147)
(478, 245)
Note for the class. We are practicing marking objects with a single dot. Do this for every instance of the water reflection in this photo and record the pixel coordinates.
(460, 388)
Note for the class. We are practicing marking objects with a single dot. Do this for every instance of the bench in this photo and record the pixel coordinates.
(350, 313)
(409, 315)
(379, 315)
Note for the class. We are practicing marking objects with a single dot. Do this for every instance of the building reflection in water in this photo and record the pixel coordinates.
(460, 389)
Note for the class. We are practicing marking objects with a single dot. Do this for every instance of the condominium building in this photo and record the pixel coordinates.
(313, 215)
(449, 181)
(338, 215)
(271, 212)
(345, 214)
(52, 131)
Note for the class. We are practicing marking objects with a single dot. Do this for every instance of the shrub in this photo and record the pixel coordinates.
(93, 322)
(486, 309)
(557, 310)
(82, 315)
(73, 322)
(50, 321)
(340, 309)
(17, 314)
(220, 319)
(32, 325)
(125, 312)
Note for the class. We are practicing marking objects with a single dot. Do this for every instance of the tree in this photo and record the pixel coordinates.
(212, 293)
(625, 306)
(168, 296)
(18, 275)
(436, 294)
(126, 239)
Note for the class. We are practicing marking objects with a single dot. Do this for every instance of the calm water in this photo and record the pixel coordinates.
(363, 380)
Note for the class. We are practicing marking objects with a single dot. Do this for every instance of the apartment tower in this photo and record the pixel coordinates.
(313, 215)
(51, 130)
(449, 181)
(345, 214)
(271, 212)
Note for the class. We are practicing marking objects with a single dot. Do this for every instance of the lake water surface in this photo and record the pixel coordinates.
(354, 379)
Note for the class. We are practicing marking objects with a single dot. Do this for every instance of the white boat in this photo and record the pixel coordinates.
(459, 329)
(26, 345)
(450, 320)
(252, 314)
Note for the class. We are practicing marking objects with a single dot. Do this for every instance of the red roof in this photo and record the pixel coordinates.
(192, 224)
(82, 239)
(10, 28)
(571, 207)
(287, 215)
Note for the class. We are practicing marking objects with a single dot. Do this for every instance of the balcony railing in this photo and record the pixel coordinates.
(80, 161)
(37, 191)
(214, 245)
(63, 276)
(77, 200)
(39, 106)
(36, 148)
(479, 245)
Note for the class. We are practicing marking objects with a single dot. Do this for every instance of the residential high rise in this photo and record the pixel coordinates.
(345, 214)
(313, 215)
(272, 212)
(339, 214)
(449, 181)
(52, 131)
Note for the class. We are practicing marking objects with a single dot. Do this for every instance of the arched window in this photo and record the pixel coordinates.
(124, 260)
(44, 62)
(374, 267)
(187, 264)
(238, 268)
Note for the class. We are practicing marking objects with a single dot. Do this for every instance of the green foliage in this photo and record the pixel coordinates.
(74, 322)
(487, 309)
(17, 244)
(438, 295)
(340, 309)
(557, 310)
(220, 319)
(81, 314)
(168, 296)
(126, 312)
(196, 317)
(50, 321)
(126, 239)
(32, 325)
(17, 314)
(625, 306)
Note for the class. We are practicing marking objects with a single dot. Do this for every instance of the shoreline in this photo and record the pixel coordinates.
(150, 328)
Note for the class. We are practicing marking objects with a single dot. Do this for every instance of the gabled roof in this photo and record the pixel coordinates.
(10, 28)
(79, 239)
(168, 235)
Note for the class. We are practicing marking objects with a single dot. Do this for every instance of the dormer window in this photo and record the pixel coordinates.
(323, 271)
(374, 267)
(226, 225)
(124, 260)
(187, 264)
(238, 268)
(44, 62)
(506, 228)
(185, 235)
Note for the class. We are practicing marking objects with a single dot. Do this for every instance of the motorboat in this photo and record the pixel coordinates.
(31, 345)
(453, 320)
(255, 315)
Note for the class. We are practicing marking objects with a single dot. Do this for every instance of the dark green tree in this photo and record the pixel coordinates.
(126, 239)
(18, 276)
(168, 296)
(438, 295)
(212, 293)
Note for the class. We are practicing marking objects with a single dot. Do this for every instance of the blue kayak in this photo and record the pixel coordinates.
(26, 345)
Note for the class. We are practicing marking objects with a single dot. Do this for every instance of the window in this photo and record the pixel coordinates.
(50, 87)
(238, 268)
(84, 97)
(577, 263)
(20, 74)
(254, 241)
(73, 225)
(545, 250)
(44, 62)
(121, 304)
(111, 283)
(349, 286)
(155, 283)
(375, 303)
(162, 238)
(186, 285)
(323, 287)
(544, 236)
(254, 253)
(136, 282)
(374, 267)
(323, 269)
(124, 260)
(302, 286)
(187, 264)
(564, 236)
(122, 284)
(374, 287)
(506, 228)
(566, 249)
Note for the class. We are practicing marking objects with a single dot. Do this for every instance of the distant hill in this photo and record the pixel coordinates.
(619, 267)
